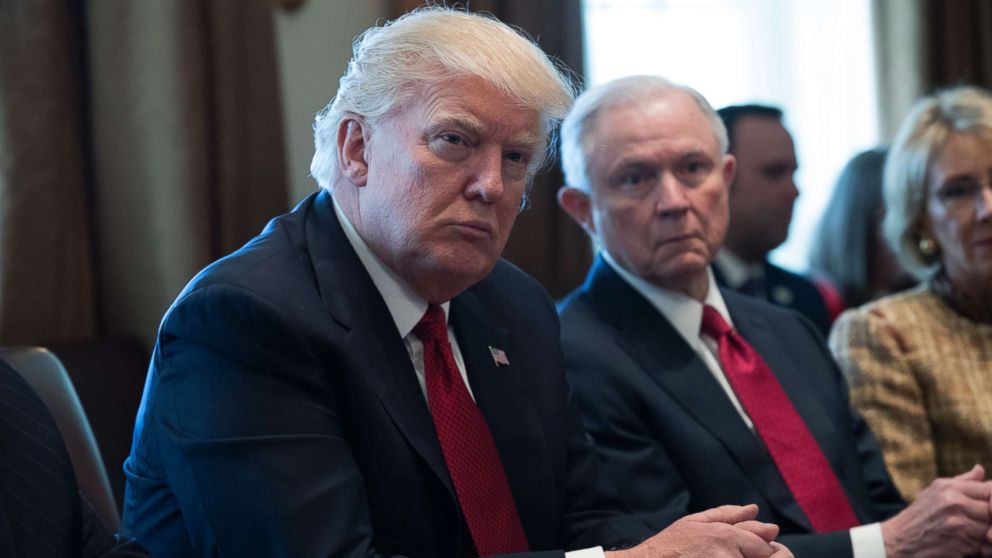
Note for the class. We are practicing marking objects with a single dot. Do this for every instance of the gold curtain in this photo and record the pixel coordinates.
(545, 242)
(140, 141)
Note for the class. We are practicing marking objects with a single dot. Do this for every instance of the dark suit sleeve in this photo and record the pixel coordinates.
(247, 428)
(882, 492)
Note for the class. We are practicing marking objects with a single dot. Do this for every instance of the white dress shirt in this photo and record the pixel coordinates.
(407, 308)
(686, 315)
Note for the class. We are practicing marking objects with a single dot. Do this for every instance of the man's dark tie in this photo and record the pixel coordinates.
(795, 452)
(468, 447)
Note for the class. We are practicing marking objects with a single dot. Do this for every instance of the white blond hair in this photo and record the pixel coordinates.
(432, 45)
(919, 142)
(577, 128)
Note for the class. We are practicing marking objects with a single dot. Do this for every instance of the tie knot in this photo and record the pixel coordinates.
(713, 323)
(432, 326)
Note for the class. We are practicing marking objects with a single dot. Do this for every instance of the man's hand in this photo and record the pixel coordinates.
(724, 532)
(950, 518)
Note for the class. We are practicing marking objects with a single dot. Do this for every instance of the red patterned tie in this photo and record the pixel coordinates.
(793, 449)
(468, 447)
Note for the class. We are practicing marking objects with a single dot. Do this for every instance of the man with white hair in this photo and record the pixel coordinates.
(698, 396)
(366, 377)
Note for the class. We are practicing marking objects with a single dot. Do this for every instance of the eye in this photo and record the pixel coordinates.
(517, 157)
(964, 188)
(697, 168)
(452, 138)
(450, 146)
(778, 171)
(635, 182)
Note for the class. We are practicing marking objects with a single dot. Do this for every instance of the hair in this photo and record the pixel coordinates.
(433, 45)
(845, 237)
(577, 128)
(730, 115)
(919, 142)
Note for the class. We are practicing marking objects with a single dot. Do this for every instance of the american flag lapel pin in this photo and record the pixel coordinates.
(499, 356)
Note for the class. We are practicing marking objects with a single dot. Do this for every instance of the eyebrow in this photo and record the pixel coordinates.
(529, 139)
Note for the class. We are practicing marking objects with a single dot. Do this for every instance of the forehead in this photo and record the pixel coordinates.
(965, 151)
(473, 104)
(666, 126)
(761, 138)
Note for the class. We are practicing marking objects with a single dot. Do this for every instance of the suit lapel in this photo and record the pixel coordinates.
(354, 303)
(500, 391)
(665, 356)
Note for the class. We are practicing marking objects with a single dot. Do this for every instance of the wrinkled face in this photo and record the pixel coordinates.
(446, 174)
(763, 192)
(658, 190)
(959, 210)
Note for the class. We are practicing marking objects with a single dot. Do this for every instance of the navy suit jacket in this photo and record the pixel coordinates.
(282, 415)
(792, 290)
(42, 514)
(669, 434)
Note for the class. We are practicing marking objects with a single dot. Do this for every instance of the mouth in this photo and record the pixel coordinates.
(679, 238)
(474, 228)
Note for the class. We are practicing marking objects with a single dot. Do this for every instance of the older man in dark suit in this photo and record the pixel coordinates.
(366, 377)
(697, 396)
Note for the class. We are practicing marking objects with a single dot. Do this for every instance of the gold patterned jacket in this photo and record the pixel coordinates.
(921, 374)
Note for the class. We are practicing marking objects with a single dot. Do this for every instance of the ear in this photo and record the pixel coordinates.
(577, 204)
(352, 149)
(729, 169)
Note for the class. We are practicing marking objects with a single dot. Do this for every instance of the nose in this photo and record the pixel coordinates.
(486, 183)
(793, 189)
(672, 200)
(985, 201)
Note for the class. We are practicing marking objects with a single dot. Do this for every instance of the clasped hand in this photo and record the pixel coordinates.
(951, 518)
(724, 532)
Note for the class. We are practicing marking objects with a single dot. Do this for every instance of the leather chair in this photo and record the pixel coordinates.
(46, 375)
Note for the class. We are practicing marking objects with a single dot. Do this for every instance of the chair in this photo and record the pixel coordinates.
(46, 375)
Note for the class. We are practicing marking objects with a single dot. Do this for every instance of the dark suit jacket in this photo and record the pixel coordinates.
(282, 415)
(672, 439)
(42, 514)
(792, 290)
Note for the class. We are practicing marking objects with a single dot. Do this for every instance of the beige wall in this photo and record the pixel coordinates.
(314, 45)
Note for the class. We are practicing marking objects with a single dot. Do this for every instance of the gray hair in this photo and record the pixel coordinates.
(577, 128)
(433, 45)
(918, 144)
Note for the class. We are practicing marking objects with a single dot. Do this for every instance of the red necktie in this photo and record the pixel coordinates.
(795, 452)
(468, 447)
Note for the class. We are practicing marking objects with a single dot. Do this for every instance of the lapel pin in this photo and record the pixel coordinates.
(499, 356)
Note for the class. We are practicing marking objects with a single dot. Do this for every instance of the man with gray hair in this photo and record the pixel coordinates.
(367, 377)
(698, 396)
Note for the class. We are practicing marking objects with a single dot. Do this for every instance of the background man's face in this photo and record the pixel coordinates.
(658, 189)
(764, 191)
(446, 174)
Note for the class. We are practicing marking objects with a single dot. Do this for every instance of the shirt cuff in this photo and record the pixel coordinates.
(597, 552)
(867, 541)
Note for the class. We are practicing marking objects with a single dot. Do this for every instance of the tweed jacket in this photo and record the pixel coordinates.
(921, 375)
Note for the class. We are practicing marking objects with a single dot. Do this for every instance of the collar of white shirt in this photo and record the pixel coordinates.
(683, 312)
(735, 271)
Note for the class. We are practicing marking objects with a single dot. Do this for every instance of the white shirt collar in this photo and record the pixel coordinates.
(683, 312)
(404, 304)
(734, 270)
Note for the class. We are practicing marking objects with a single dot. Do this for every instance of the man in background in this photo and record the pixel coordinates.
(698, 396)
(762, 196)
(367, 377)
